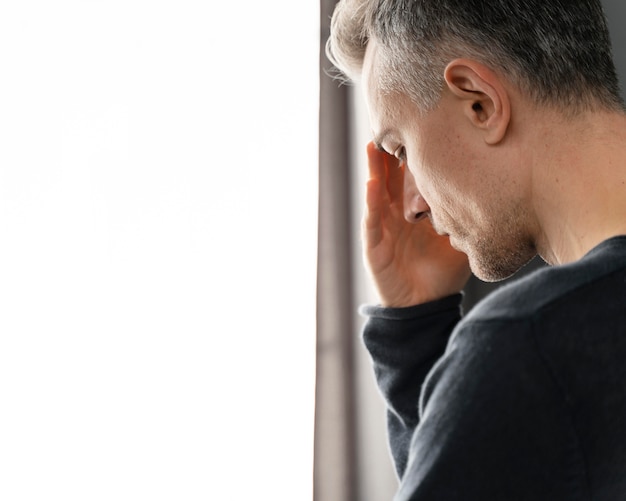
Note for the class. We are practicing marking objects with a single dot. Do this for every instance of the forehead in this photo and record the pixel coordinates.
(388, 111)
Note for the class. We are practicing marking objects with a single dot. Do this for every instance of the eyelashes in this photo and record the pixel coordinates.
(400, 154)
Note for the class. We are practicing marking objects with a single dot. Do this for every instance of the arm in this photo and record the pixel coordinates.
(418, 277)
(485, 420)
(495, 424)
(404, 344)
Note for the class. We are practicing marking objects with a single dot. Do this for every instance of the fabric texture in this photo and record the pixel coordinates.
(522, 399)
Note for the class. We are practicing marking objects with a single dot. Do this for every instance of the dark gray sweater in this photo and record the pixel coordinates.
(522, 399)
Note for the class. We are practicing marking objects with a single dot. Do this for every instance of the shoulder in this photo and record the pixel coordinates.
(513, 321)
(533, 367)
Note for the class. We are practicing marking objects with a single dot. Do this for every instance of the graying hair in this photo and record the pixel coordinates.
(558, 52)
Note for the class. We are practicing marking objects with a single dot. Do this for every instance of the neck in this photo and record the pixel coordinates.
(579, 184)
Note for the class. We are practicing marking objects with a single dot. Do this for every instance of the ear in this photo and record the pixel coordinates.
(484, 98)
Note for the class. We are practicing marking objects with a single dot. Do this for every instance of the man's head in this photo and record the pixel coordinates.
(471, 95)
(558, 52)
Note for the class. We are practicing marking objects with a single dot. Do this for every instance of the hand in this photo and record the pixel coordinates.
(409, 262)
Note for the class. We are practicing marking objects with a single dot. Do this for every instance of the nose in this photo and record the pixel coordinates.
(415, 207)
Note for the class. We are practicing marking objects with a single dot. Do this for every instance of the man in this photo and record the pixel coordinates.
(499, 133)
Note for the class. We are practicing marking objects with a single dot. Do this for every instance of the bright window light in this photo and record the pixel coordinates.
(158, 190)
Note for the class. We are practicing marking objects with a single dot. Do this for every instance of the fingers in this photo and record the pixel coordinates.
(395, 179)
(373, 218)
(387, 170)
(376, 197)
(376, 163)
(384, 187)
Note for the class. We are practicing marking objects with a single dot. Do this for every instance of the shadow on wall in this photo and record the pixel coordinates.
(615, 11)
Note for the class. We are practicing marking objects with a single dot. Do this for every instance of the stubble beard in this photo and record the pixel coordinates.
(494, 260)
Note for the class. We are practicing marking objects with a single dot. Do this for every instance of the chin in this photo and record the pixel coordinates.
(497, 264)
(491, 274)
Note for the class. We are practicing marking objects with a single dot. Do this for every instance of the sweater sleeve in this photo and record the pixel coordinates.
(474, 411)
(404, 344)
(494, 423)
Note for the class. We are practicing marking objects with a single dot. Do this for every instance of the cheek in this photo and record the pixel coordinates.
(442, 183)
(442, 169)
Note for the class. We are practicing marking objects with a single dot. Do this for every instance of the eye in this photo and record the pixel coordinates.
(400, 154)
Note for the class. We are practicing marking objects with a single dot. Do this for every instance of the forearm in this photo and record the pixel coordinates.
(405, 343)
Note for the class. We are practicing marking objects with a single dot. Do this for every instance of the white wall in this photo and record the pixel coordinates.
(158, 170)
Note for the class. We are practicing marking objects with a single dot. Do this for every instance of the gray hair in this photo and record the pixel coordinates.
(558, 52)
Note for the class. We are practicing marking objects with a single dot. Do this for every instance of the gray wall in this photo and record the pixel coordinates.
(616, 15)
